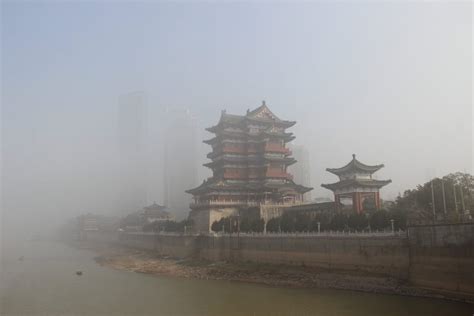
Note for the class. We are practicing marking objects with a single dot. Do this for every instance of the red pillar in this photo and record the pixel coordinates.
(357, 202)
(337, 200)
(377, 200)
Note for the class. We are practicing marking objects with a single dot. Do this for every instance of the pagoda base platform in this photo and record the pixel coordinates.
(204, 218)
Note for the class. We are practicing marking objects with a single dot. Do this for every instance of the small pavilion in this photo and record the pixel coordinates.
(356, 183)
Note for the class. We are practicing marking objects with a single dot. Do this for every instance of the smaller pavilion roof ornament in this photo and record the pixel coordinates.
(356, 182)
(354, 166)
(354, 174)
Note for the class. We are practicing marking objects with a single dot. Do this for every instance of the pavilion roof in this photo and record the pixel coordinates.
(355, 165)
(365, 183)
(242, 158)
(213, 184)
(261, 114)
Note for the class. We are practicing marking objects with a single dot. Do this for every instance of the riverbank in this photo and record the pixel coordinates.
(268, 274)
(45, 283)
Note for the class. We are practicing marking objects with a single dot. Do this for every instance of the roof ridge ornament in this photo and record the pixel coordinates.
(353, 156)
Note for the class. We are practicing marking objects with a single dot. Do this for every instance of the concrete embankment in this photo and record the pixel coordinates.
(442, 257)
(435, 257)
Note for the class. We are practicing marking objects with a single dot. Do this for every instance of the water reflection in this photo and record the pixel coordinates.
(45, 282)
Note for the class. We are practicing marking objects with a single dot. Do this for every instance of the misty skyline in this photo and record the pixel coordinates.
(387, 82)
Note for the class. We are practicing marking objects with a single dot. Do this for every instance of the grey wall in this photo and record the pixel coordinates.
(381, 255)
(439, 257)
(442, 256)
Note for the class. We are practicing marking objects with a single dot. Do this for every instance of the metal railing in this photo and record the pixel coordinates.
(336, 234)
(349, 234)
(216, 202)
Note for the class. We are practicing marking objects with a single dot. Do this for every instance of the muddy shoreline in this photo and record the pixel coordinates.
(139, 261)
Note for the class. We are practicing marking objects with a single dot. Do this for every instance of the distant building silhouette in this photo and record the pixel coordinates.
(301, 170)
(180, 160)
(132, 143)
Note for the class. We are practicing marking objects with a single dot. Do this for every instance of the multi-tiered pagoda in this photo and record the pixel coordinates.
(356, 184)
(249, 161)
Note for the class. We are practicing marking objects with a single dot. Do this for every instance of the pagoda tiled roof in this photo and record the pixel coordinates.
(355, 165)
(240, 135)
(261, 114)
(287, 160)
(365, 183)
(289, 184)
(231, 159)
(286, 136)
(226, 119)
(215, 184)
(243, 158)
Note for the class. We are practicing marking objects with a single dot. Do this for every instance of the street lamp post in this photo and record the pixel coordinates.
(433, 201)
(455, 199)
(444, 197)
(393, 227)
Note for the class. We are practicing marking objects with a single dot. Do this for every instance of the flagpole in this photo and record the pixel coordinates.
(444, 196)
(432, 201)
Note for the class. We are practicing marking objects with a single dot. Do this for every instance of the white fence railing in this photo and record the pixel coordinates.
(335, 234)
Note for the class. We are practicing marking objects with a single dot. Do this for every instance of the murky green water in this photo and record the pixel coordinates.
(45, 283)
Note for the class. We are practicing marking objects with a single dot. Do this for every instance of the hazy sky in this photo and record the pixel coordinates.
(390, 82)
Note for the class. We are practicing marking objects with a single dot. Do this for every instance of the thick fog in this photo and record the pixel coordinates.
(389, 82)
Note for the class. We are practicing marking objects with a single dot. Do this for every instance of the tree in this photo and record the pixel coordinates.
(369, 204)
(216, 226)
(257, 225)
(379, 220)
(273, 225)
(324, 221)
(133, 219)
(251, 224)
(357, 221)
(287, 223)
(399, 217)
(417, 203)
(338, 222)
(168, 226)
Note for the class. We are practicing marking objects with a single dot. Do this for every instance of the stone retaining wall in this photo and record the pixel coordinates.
(435, 256)
(442, 256)
(381, 255)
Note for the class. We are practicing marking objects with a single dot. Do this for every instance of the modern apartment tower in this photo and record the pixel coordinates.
(132, 149)
(301, 170)
(180, 160)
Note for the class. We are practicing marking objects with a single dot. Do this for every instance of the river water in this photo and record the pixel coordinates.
(45, 283)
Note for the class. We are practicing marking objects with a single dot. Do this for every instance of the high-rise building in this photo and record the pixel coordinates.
(132, 147)
(301, 170)
(180, 160)
(249, 165)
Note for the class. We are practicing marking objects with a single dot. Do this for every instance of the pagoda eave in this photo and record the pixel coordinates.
(355, 165)
(356, 183)
(210, 141)
(279, 123)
